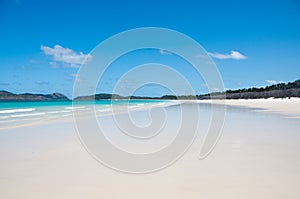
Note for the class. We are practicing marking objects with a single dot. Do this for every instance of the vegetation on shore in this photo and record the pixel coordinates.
(8, 96)
(281, 90)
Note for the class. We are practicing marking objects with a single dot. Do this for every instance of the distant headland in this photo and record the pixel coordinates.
(8, 96)
(281, 90)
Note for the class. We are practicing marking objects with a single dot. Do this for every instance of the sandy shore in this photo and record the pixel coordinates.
(256, 157)
(288, 107)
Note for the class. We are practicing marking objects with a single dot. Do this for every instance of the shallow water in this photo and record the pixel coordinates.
(27, 113)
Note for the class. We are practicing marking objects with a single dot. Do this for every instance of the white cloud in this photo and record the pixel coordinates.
(271, 81)
(274, 82)
(232, 55)
(42, 83)
(164, 52)
(54, 64)
(66, 55)
(74, 75)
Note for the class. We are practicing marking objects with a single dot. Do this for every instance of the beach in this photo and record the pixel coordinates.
(257, 156)
(149, 99)
(289, 107)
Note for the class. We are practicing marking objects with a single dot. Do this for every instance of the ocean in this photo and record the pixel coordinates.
(24, 113)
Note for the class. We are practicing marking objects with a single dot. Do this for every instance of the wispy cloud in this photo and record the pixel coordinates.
(42, 83)
(33, 61)
(164, 52)
(74, 75)
(66, 56)
(232, 55)
(54, 64)
(26, 67)
(274, 82)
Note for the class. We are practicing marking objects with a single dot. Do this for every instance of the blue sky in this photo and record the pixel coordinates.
(253, 43)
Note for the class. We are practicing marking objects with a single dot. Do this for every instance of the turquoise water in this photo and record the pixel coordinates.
(15, 105)
(12, 113)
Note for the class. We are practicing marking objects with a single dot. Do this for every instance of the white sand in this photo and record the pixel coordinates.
(257, 157)
(288, 107)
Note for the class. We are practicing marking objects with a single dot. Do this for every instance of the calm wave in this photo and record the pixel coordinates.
(20, 113)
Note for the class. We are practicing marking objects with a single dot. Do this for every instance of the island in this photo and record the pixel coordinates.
(280, 90)
(8, 96)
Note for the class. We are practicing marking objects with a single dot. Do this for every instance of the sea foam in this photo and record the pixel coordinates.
(17, 110)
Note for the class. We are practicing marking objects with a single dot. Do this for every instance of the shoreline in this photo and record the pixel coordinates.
(288, 107)
(83, 111)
